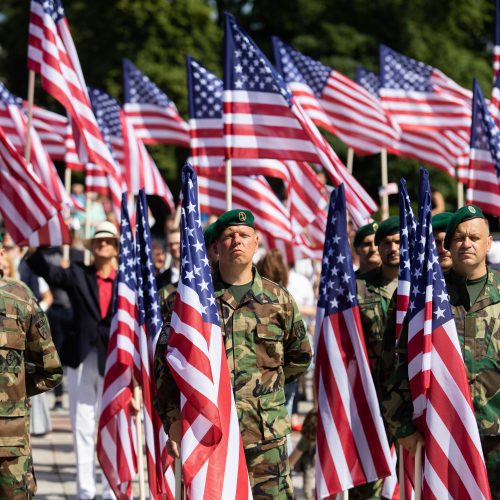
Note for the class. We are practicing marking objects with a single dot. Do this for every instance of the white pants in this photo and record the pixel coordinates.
(84, 391)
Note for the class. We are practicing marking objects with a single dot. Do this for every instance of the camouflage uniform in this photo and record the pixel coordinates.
(266, 345)
(29, 365)
(478, 328)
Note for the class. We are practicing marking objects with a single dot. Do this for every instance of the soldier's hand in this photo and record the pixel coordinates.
(174, 435)
(410, 442)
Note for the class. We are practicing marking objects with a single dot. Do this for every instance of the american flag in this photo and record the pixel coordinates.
(419, 96)
(263, 120)
(52, 54)
(407, 228)
(335, 102)
(212, 455)
(483, 186)
(152, 114)
(149, 326)
(496, 42)
(116, 435)
(352, 446)
(442, 150)
(31, 216)
(453, 462)
(14, 122)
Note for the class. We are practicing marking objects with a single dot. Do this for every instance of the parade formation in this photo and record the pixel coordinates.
(271, 331)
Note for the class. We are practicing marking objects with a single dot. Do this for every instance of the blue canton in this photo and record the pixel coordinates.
(425, 269)
(401, 72)
(140, 89)
(368, 80)
(147, 294)
(53, 8)
(205, 91)
(195, 268)
(407, 231)
(246, 67)
(297, 67)
(8, 98)
(485, 132)
(337, 289)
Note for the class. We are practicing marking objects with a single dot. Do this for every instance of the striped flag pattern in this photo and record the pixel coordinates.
(483, 186)
(336, 103)
(52, 54)
(442, 408)
(116, 435)
(30, 213)
(152, 114)
(263, 120)
(52, 129)
(212, 455)
(352, 446)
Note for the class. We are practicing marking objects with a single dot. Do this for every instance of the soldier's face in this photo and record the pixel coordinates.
(469, 245)
(237, 245)
(443, 254)
(389, 250)
(368, 251)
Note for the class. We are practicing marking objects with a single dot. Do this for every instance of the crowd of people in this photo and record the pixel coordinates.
(267, 308)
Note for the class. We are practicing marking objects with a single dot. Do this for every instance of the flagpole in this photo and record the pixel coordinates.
(178, 478)
(401, 467)
(385, 181)
(345, 494)
(67, 186)
(88, 201)
(31, 99)
(460, 194)
(138, 426)
(350, 159)
(229, 194)
(418, 471)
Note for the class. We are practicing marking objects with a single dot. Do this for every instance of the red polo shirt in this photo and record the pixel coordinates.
(105, 291)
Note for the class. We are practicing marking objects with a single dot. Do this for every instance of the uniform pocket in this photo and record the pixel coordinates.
(13, 436)
(274, 417)
(269, 346)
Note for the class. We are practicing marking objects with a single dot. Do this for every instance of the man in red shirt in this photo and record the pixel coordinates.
(90, 289)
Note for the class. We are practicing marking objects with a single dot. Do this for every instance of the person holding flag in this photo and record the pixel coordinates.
(266, 346)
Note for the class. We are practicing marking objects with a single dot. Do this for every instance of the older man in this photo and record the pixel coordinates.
(474, 293)
(266, 345)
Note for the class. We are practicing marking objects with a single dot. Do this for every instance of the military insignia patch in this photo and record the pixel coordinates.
(10, 358)
(472, 210)
(163, 338)
(375, 226)
(43, 328)
(242, 216)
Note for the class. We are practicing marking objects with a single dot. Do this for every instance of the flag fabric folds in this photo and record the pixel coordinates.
(335, 102)
(52, 54)
(483, 186)
(352, 446)
(152, 114)
(453, 460)
(212, 455)
(263, 120)
(496, 42)
(116, 435)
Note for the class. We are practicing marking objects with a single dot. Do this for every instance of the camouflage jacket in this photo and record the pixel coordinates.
(374, 299)
(29, 363)
(478, 329)
(266, 345)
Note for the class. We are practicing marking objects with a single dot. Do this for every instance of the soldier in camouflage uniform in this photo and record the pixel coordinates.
(266, 346)
(29, 365)
(474, 293)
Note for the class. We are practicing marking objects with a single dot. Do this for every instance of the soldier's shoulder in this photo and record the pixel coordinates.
(275, 292)
(370, 277)
(13, 289)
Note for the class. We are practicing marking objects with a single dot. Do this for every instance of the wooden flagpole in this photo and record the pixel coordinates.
(88, 201)
(385, 181)
(460, 194)
(401, 467)
(179, 490)
(418, 471)
(345, 494)
(67, 186)
(229, 186)
(350, 159)
(138, 426)
(31, 99)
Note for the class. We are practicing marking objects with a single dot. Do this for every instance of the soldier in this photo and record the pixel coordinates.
(266, 346)
(474, 292)
(365, 248)
(29, 365)
(439, 225)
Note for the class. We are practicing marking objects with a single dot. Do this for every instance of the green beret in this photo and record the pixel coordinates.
(364, 231)
(462, 214)
(236, 217)
(386, 228)
(440, 221)
(208, 234)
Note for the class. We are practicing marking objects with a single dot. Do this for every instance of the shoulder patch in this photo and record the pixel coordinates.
(43, 328)
(163, 338)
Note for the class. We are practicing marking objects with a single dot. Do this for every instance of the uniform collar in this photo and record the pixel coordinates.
(256, 292)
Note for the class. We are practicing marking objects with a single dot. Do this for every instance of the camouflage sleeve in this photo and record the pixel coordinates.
(396, 405)
(43, 367)
(307, 441)
(167, 396)
(298, 352)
